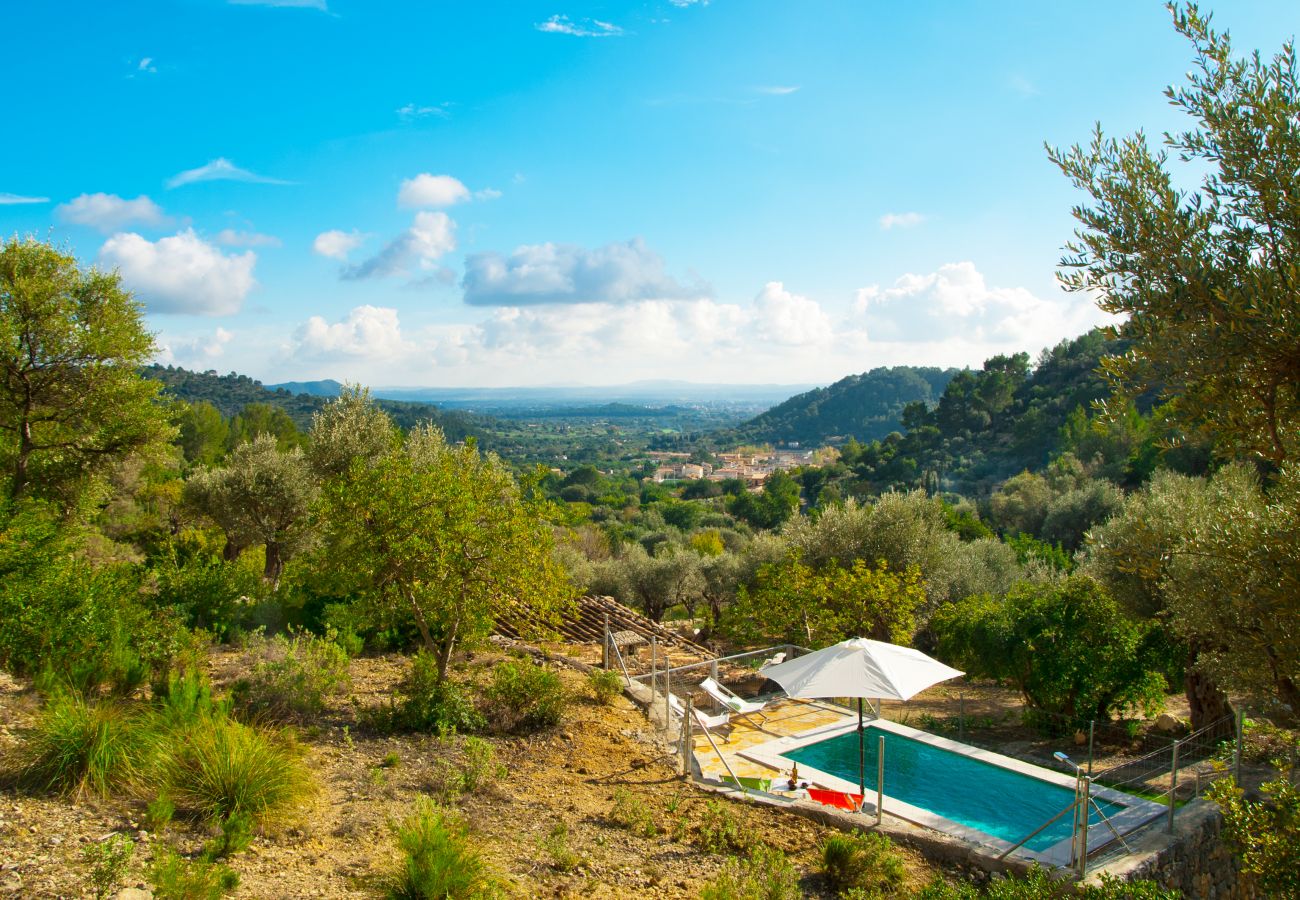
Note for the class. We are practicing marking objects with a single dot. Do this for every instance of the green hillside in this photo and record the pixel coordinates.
(863, 407)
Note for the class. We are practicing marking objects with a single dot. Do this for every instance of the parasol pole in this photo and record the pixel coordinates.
(862, 754)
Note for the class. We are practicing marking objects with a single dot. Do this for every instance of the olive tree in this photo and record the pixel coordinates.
(72, 401)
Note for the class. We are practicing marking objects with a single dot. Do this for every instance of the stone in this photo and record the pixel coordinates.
(1167, 724)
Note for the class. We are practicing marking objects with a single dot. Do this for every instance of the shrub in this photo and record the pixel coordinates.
(438, 860)
(79, 746)
(862, 862)
(235, 834)
(1036, 884)
(175, 878)
(429, 705)
(159, 812)
(219, 768)
(632, 814)
(720, 832)
(764, 875)
(1264, 835)
(523, 697)
(210, 593)
(480, 763)
(605, 684)
(556, 844)
(293, 677)
(108, 861)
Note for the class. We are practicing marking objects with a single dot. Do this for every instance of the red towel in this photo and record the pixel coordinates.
(837, 799)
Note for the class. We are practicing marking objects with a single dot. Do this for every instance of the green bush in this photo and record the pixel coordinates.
(292, 678)
(523, 697)
(1036, 884)
(78, 746)
(606, 685)
(480, 764)
(210, 593)
(632, 814)
(438, 860)
(721, 832)
(1264, 835)
(428, 705)
(765, 874)
(108, 861)
(219, 768)
(862, 862)
(173, 877)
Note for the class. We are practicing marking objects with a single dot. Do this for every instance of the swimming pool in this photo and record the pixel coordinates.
(955, 788)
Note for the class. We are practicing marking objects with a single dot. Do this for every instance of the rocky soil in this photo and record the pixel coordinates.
(342, 845)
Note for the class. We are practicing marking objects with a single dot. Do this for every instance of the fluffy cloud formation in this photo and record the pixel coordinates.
(182, 273)
(579, 28)
(109, 213)
(788, 319)
(957, 303)
(431, 236)
(220, 169)
(562, 273)
(8, 199)
(335, 244)
(193, 352)
(229, 237)
(901, 220)
(431, 190)
(372, 332)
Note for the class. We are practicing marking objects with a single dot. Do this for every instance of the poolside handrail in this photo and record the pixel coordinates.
(1033, 834)
(766, 651)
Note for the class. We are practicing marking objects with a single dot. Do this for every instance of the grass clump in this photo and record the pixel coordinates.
(862, 864)
(556, 844)
(606, 685)
(765, 874)
(721, 832)
(523, 697)
(108, 861)
(438, 860)
(632, 814)
(173, 877)
(80, 746)
(293, 678)
(221, 768)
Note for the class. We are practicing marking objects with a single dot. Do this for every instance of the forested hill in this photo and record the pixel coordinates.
(231, 393)
(864, 407)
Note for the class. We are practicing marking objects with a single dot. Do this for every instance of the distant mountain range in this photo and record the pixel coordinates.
(514, 399)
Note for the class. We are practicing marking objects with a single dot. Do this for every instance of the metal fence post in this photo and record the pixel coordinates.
(654, 673)
(1083, 833)
(1173, 787)
(713, 670)
(688, 745)
(668, 693)
(961, 716)
(1236, 755)
(604, 650)
(1092, 727)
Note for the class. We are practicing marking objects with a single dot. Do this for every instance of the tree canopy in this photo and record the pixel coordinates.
(71, 399)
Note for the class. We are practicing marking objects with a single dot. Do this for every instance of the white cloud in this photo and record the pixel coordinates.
(109, 212)
(8, 199)
(372, 332)
(182, 273)
(220, 169)
(431, 236)
(193, 352)
(228, 237)
(956, 303)
(1023, 86)
(562, 273)
(683, 4)
(336, 244)
(892, 220)
(789, 319)
(298, 4)
(412, 111)
(777, 90)
(487, 194)
(431, 190)
(579, 28)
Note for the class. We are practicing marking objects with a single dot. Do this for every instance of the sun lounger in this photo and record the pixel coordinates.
(729, 700)
(708, 723)
(837, 799)
(751, 782)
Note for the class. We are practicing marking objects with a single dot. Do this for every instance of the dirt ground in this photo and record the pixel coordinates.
(342, 846)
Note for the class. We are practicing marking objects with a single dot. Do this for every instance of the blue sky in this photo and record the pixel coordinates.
(504, 193)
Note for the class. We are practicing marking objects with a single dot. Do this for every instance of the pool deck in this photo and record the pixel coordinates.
(756, 747)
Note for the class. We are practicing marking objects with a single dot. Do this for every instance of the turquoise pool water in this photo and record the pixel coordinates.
(989, 798)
